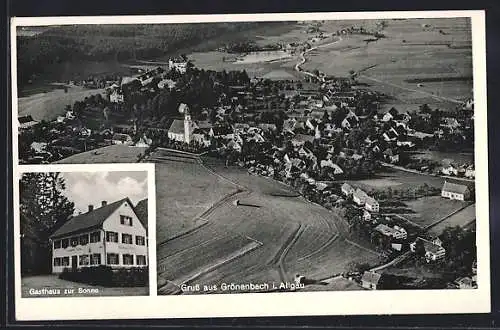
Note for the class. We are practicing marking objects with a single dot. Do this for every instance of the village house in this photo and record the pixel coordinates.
(167, 83)
(450, 123)
(178, 65)
(26, 122)
(470, 172)
(390, 156)
(224, 132)
(328, 163)
(367, 216)
(449, 170)
(347, 189)
(370, 280)
(396, 232)
(116, 97)
(465, 283)
(111, 235)
(359, 197)
(433, 251)
(390, 115)
(371, 204)
(350, 121)
(455, 191)
(120, 138)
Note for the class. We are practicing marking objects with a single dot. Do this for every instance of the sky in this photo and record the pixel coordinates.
(85, 188)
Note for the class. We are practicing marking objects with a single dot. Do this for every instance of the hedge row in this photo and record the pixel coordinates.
(106, 276)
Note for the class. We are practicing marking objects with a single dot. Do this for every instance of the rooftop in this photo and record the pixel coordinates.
(90, 220)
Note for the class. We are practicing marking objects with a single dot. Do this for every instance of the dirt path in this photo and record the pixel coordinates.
(302, 58)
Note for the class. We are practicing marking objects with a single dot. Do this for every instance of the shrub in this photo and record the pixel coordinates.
(106, 276)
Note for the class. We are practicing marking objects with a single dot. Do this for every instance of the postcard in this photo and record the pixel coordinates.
(290, 164)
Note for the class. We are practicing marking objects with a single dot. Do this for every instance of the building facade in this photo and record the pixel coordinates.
(455, 191)
(112, 235)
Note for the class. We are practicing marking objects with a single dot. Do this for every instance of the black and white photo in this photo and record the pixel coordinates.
(84, 233)
(293, 154)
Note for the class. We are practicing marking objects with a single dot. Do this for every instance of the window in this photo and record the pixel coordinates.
(74, 241)
(126, 238)
(140, 260)
(84, 239)
(57, 244)
(112, 259)
(139, 240)
(95, 259)
(65, 261)
(111, 236)
(128, 259)
(95, 237)
(57, 262)
(83, 260)
(125, 220)
(65, 243)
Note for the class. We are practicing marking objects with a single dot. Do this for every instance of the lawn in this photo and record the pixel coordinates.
(396, 179)
(462, 218)
(430, 209)
(333, 260)
(53, 282)
(109, 154)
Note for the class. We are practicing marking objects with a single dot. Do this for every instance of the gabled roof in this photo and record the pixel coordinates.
(222, 130)
(25, 119)
(455, 187)
(121, 137)
(371, 277)
(430, 246)
(177, 127)
(141, 209)
(370, 200)
(90, 220)
(347, 187)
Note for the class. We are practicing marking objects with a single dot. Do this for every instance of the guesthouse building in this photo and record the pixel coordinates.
(111, 235)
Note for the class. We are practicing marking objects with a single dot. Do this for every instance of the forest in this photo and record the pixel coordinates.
(73, 43)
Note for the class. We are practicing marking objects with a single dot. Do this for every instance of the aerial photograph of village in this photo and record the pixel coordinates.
(324, 155)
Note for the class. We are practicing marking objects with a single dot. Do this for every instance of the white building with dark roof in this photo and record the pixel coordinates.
(112, 235)
(433, 251)
(455, 191)
(26, 122)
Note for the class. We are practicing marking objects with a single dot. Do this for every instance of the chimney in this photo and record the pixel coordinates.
(104, 203)
(91, 208)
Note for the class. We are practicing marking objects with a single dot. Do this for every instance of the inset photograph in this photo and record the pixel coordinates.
(84, 233)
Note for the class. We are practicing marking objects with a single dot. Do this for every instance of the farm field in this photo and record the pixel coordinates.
(396, 179)
(425, 49)
(461, 158)
(53, 282)
(110, 154)
(430, 209)
(290, 229)
(462, 218)
(337, 284)
(332, 260)
(49, 105)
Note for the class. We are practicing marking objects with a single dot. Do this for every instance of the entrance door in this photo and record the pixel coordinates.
(74, 262)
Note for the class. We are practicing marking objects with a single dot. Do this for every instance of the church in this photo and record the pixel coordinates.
(182, 130)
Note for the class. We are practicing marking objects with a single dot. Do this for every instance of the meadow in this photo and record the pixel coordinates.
(51, 104)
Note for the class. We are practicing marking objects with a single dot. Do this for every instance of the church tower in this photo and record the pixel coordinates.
(187, 125)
